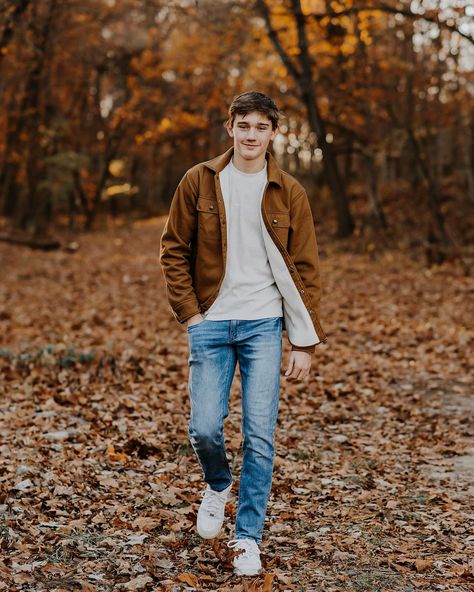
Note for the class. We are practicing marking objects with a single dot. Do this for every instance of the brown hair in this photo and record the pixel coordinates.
(253, 101)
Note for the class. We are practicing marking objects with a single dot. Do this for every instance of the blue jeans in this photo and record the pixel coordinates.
(214, 348)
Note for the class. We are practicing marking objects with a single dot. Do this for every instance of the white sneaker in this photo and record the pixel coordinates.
(211, 512)
(247, 563)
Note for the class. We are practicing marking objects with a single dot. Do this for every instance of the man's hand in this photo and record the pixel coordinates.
(299, 365)
(196, 318)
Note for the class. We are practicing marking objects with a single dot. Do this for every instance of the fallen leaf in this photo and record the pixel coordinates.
(189, 578)
(139, 582)
(268, 582)
(423, 564)
(145, 523)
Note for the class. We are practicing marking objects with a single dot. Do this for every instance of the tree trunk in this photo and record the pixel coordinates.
(303, 77)
(376, 213)
(26, 213)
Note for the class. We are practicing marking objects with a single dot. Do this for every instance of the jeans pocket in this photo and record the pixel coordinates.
(188, 328)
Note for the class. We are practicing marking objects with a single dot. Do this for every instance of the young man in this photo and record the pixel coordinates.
(240, 261)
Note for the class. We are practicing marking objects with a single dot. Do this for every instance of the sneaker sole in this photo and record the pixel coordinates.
(255, 572)
(208, 537)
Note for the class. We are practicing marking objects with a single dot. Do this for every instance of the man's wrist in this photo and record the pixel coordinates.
(194, 318)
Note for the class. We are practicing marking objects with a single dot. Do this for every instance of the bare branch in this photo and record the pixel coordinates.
(272, 33)
(392, 10)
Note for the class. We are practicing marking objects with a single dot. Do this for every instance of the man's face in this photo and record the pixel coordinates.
(252, 134)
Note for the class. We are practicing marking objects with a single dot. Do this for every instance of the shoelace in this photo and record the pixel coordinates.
(249, 546)
(213, 501)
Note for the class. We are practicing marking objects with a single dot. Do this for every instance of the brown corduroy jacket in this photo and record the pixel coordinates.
(193, 247)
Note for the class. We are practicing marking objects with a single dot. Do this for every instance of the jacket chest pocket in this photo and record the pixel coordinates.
(208, 218)
(280, 222)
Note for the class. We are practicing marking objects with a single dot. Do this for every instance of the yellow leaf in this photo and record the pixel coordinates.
(117, 168)
(116, 456)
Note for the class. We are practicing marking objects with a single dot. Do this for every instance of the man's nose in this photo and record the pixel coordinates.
(251, 134)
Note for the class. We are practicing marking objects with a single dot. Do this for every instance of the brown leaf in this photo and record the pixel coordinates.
(422, 564)
(268, 582)
(145, 524)
(189, 578)
(139, 582)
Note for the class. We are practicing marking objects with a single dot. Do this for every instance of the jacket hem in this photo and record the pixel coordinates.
(187, 309)
(309, 349)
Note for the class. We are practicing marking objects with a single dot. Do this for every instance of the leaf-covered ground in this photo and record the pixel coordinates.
(99, 488)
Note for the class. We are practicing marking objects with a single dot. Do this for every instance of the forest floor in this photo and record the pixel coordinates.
(374, 471)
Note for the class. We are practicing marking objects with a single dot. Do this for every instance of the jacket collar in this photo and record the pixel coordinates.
(220, 162)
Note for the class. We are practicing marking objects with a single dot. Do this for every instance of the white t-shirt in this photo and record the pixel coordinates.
(248, 290)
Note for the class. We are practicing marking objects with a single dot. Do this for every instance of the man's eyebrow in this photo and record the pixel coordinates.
(260, 123)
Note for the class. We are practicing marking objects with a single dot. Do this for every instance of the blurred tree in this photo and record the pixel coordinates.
(11, 14)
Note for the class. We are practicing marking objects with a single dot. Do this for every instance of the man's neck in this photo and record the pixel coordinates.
(248, 166)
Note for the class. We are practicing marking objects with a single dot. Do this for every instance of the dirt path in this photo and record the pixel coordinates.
(99, 488)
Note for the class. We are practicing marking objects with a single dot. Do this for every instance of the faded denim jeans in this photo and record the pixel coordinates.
(214, 349)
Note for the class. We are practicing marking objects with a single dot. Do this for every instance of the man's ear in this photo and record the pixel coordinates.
(229, 129)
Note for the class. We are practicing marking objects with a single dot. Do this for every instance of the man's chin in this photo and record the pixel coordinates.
(250, 154)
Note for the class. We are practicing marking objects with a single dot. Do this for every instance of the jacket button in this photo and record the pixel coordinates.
(302, 291)
(211, 207)
(274, 220)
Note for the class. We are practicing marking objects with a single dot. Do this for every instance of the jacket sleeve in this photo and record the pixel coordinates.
(303, 248)
(175, 251)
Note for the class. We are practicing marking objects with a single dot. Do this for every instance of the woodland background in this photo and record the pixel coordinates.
(103, 106)
(105, 103)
